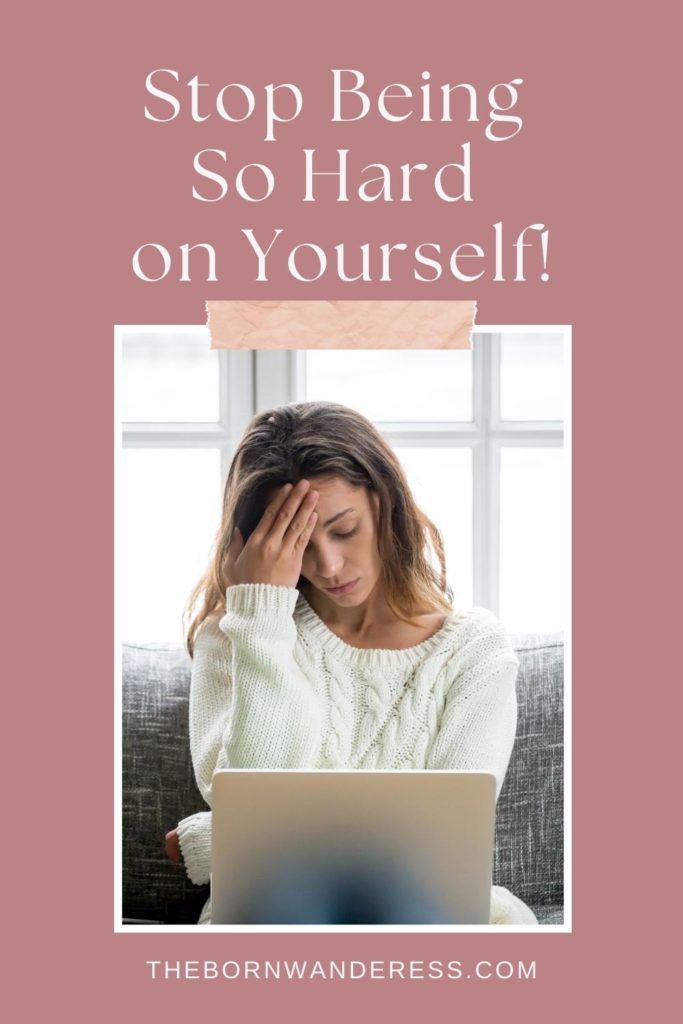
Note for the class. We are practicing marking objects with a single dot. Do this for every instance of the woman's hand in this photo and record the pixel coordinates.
(274, 552)
(173, 846)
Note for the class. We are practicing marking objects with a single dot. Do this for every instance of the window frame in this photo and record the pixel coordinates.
(261, 379)
(235, 403)
(486, 434)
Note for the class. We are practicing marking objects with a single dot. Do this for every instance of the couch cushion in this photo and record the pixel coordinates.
(549, 913)
(159, 787)
(529, 824)
(158, 783)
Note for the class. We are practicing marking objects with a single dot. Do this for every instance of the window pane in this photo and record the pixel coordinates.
(441, 481)
(417, 384)
(531, 377)
(170, 378)
(170, 503)
(533, 539)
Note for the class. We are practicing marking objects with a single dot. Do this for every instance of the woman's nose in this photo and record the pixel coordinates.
(328, 563)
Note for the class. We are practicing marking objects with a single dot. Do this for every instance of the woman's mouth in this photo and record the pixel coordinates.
(344, 589)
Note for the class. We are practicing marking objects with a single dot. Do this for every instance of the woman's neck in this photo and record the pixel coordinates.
(373, 624)
(359, 622)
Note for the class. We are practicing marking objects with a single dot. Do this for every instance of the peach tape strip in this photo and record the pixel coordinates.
(340, 324)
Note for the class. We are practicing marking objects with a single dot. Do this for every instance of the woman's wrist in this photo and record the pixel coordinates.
(194, 841)
(248, 601)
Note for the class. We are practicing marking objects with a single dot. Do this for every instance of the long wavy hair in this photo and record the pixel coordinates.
(315, 439)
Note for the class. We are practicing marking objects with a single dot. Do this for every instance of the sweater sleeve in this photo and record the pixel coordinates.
(276, 719)
(250, 704)
(477, 729)
(194, 836)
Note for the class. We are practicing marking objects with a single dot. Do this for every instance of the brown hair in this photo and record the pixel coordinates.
(314, 439)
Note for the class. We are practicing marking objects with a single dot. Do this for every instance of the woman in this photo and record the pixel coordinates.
(323, 636)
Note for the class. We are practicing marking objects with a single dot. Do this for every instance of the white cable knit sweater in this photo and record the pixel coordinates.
(273, 687)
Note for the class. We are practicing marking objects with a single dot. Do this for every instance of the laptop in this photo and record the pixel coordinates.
(352, 847)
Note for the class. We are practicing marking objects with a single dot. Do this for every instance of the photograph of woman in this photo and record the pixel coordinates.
(323, 636)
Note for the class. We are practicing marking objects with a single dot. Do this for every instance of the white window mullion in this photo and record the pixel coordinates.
(172, 435)
(486, 469)
(276, 378)
(479, 475)
(479, 529)
(486, 523)
(493, 526)
(237, 383)
(492, 407)
(414, 435)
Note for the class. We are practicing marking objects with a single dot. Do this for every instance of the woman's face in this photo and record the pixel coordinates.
(342, 558)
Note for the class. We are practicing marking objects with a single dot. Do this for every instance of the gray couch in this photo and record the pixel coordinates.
(159, 787)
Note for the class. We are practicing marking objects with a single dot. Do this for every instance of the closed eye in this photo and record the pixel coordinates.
(338, 535)
(344, 536)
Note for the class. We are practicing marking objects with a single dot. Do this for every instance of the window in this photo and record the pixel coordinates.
(183, 408)
(480, 434)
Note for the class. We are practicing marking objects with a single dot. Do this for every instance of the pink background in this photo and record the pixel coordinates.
(88, 179)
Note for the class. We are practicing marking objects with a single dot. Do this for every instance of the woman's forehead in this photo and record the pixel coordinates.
(336, 489)
(335, 494)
